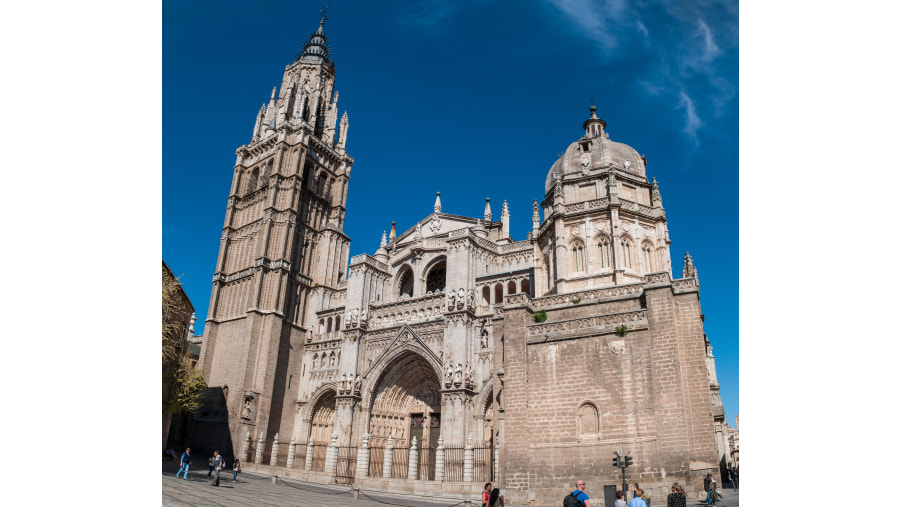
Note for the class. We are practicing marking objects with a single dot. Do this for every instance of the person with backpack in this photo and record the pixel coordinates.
(185, 463)
(578, 497)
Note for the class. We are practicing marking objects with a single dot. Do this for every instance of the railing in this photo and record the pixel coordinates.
(484, 464)
(400, 468)
(346, 465)
(454, 463)
(424, 307)
(376, 461)
(426, 463)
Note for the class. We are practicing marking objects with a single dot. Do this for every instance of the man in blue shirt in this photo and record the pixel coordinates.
(580, 495)
(185, 463)
(637, 501)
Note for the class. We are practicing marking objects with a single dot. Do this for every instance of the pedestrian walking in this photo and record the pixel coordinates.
(620, 499)
(210, 466)
(637, 501)
(486, 494)
(217, 467)
(185, 463)
(714, 493)
(578, 497)
(236, 468)
(496, 499)
(707, 487)
(677, 497)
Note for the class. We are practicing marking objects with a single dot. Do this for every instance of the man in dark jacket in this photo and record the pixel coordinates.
(707, 486)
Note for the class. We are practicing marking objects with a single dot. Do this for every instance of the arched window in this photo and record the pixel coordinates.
(498, 294)
(328, 325)
(437, 277)
(251, 183)
(603, 252)
(485, 295)
(588, 421)
(525, 287)
(321, 326)
(647, 253)
(578, 257)
(405, 283)
(511, 287)
(626, 253)
(337, 323)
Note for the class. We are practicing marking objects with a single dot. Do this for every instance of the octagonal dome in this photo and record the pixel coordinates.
(594, 151)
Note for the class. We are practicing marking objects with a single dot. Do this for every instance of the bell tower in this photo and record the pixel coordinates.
(283, 251)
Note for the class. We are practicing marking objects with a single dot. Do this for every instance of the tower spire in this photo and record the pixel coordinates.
(316, 48)
(487, 209)
(437, 203)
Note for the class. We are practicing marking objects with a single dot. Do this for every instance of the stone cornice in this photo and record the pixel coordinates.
(636, 319)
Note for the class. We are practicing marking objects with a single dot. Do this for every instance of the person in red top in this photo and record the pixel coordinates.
(486, 494)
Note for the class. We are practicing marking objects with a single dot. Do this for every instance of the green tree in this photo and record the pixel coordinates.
(182, 384)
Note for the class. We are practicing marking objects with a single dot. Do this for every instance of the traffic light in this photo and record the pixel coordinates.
(617, 461)
(628, 461)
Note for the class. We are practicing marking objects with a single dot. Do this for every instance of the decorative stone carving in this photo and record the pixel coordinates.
(484, 338)
(448, 375)
(357, 386)
(458, 375)
(435, 224)
(688, 271)
(617, 347)
(470, 377)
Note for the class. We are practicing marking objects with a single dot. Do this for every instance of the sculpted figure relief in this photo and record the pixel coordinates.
(470, 377)
(484, 339)
(448, 375)
(357, 386)
(246, 411)
(458, 374)
(363, 316)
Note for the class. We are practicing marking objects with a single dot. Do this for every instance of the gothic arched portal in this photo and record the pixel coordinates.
(322, 423)
(406, 403)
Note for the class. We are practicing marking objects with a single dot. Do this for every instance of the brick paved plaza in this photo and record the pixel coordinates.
(258, 490)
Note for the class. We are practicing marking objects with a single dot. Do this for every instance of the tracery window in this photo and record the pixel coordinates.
(626, 253)
(603, 251)
(578, 257)
(437, 277)
(251, 183)
(647, 252)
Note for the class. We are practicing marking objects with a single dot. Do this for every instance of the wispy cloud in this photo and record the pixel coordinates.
(682, 45)
(428, 13)
(692, 122)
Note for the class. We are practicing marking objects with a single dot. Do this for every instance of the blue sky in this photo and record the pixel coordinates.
(475, 99)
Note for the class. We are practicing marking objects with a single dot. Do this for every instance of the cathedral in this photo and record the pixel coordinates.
(453, 355)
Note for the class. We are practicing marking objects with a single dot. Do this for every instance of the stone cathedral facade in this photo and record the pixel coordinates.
(452, 345)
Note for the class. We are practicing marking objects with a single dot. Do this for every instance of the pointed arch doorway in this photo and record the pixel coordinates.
(407, 404)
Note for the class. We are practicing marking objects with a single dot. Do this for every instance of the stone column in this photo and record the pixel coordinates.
(309, 454)
(362, 458)
(469, 461)
(273, 459)
(496, 474)
(245, 448)
(439, 461)
(331, 455)
(290, 460)
(413, 469)
(388, 458)
(260, 445)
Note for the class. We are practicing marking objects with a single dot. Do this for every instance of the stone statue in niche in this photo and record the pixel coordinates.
(247, 410)
(363, 316)
(470, 298)
(458, 374)
(357, 386)
(451, 299)
(333, 360)
(460, 297)
(470, 377)
(354, 316)
(343, 385)
(484, 338)
(448, 375)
